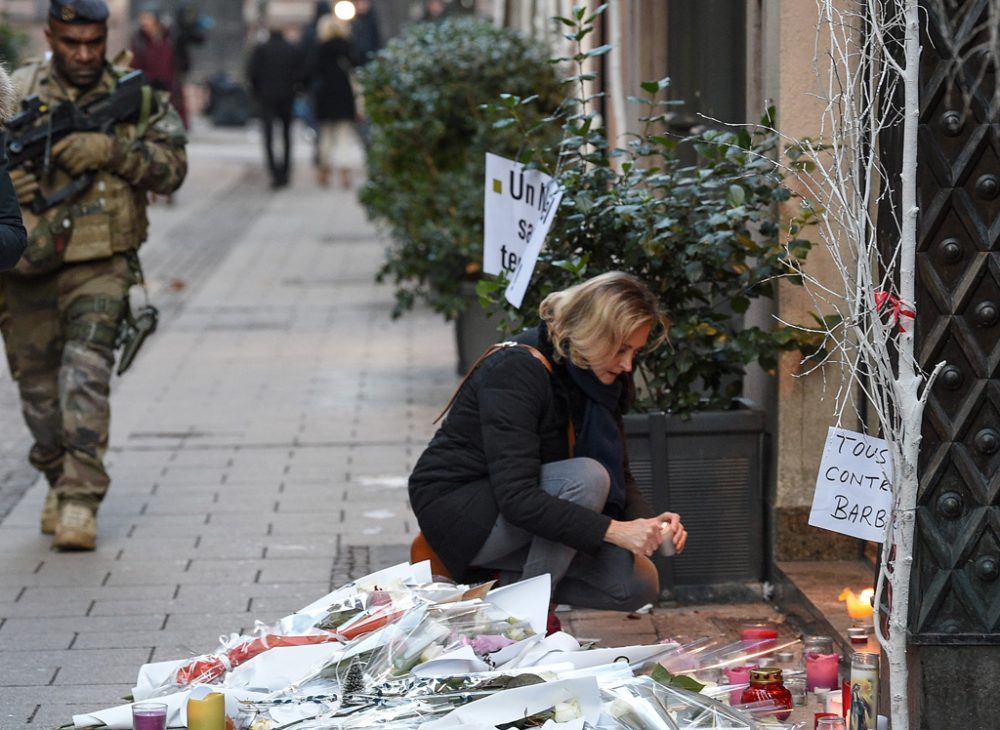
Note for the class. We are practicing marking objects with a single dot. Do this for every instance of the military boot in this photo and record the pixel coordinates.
(77, 528)
(50, 513)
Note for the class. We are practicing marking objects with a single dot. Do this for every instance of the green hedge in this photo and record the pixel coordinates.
(429, 96)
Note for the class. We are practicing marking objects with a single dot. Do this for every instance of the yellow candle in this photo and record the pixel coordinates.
(207, 714)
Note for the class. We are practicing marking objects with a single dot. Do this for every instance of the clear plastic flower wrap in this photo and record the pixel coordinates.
(643, 704)
(440, 628)
(378, 673)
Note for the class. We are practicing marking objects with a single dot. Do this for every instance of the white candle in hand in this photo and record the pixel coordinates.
(667, 548)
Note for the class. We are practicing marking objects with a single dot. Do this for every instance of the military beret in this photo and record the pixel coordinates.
(79, 12)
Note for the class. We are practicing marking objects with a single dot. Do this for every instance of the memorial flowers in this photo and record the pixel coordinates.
(394, 650)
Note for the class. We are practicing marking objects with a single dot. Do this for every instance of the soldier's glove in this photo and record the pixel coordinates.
(25, 185)
(82, 151)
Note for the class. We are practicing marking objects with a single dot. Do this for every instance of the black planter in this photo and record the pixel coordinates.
(710, 470)
(475, 330)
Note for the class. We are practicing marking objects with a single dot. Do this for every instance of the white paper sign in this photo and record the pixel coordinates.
(854, 486)
(518, 207)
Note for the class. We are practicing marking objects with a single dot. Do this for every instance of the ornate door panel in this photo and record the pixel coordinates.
(956, 588)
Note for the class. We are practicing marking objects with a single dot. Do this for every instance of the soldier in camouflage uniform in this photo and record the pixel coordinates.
(65, 300)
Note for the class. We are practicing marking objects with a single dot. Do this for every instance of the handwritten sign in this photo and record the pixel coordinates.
(518, 207)
(854, 486)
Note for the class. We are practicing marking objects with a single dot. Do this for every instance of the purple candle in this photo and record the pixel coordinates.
(149, 716)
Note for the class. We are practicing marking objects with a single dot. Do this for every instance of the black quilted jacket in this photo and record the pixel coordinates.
(511, 417)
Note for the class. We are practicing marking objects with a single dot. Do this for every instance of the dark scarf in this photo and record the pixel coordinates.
(599, 437)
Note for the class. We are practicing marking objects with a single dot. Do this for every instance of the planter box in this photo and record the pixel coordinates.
(475, 330)
(710, 470)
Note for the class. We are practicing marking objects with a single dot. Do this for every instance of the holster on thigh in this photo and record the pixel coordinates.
(94, 321)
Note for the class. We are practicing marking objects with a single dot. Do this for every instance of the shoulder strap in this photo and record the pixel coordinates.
(489, 351)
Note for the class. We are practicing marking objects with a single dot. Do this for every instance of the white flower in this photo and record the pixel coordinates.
(566, 711)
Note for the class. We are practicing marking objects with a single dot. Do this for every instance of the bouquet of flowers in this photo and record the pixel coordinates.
(397, 651)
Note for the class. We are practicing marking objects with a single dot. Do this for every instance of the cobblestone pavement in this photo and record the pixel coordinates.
(259, 451)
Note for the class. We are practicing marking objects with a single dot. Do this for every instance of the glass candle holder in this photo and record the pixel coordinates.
(830, 723)
(759, 636)
(149, 716)
(766, 684)
(863, 695)
(785, 659)
(797, 687)
(821, 671)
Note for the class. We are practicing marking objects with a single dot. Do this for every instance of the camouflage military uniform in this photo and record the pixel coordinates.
(65, 300)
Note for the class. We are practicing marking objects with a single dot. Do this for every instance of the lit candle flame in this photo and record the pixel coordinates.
(860, 606)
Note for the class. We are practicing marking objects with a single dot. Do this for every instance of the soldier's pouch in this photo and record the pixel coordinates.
(91, 238)
(46, 244)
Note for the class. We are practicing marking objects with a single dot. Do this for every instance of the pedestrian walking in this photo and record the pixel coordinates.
(365, 30)
(308, 42)
(275, 73)
(367, 39)
(332, 70)
(154, 53)
(528, 475)
(12, 236)
(65, 302)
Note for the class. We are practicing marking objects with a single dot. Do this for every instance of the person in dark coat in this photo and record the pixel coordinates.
(333, 98)
(307, 45)
(500, 488)
(275, 73)
(13, 237)
(365, 30)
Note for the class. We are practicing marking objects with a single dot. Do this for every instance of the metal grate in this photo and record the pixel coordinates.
(713, 480)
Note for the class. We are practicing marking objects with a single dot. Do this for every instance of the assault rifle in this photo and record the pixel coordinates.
(33, 131)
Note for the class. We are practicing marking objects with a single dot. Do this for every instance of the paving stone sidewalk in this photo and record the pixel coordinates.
(259, 447)
(259, 450)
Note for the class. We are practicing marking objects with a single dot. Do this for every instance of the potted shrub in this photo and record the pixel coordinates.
(708, 238)
(425, 95)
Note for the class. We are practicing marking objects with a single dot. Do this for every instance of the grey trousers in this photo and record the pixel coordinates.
(612, 579)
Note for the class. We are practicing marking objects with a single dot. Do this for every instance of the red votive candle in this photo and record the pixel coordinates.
(149, 716)
(758, 637)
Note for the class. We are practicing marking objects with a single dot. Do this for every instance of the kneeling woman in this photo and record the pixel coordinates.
(528, 473)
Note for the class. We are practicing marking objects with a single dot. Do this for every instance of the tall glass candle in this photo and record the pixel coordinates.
(864, 691)
(149, 716)
(821, 670)
(208, 713)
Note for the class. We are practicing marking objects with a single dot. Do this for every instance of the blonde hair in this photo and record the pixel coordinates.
(589, 322)
(330, 26)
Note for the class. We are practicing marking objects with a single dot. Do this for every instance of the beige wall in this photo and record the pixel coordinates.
(791, 71)
(807, 402)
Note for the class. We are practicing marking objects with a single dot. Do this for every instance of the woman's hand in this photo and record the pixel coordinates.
(643, 536)
(670, 523)
(640, 537)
